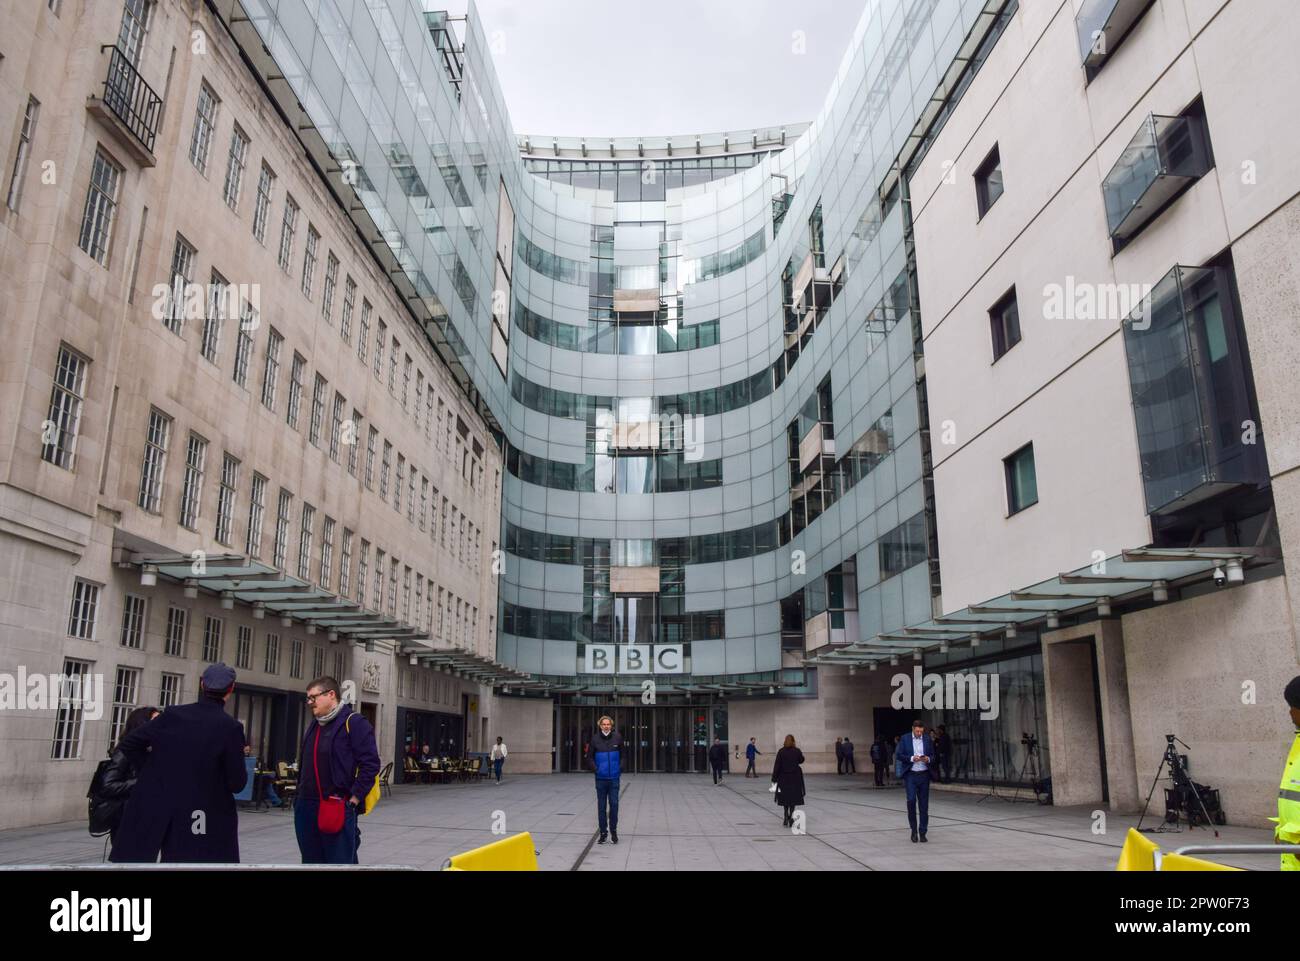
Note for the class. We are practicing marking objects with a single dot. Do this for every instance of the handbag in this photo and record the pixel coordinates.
(332, 812)
(372, 797)
(772, 789)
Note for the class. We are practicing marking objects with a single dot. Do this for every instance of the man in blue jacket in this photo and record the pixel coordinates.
(191, 764)
(912, 760)
(339, 759)
(606, 757)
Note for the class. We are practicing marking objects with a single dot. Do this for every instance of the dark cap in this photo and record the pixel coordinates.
(1292, 692)
(218, 677)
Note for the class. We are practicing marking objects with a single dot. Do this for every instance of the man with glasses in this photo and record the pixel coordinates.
(339, 762)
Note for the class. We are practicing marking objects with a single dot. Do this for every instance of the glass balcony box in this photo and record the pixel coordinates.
(1164, 156)
(1102, 24)
(1189, 374)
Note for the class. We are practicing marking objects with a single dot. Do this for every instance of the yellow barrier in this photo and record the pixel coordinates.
(511, 854)
(1183, 862)
(1138, 853)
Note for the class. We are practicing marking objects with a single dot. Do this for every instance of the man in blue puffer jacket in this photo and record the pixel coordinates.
(606, 755)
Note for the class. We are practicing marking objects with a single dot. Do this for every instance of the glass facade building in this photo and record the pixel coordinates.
(701, 364)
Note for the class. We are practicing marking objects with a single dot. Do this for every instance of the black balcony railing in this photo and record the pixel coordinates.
(131, 99)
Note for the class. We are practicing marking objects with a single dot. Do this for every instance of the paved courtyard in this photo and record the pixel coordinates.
(682, 822)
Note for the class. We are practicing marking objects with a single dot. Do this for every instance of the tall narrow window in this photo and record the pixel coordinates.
(406, 381)
(380, 338)
(101, 207)
(256, 511)
(169, 690)
(178, 627)
(226, 499)
(295, 389)
(182, 274)
(133, 618)
(262, 209)
(392, 367)
(272, 662)
(317, 411)
(1022, 480)
(1004, 320)
(85, 605)
(304, 541)
(196, 452)
(271, 370)
(155, 462)
(372, 444)
(295, 657)
(988, 181)
(354, 441)
(205, 126)
(336, 432)
(410, 497)
(326, 552)
(248, 322)
(218, 294)
(331, 281)
(236, 163)
(379, 579)
(25, 137)
(244, 648)
(282, 529)
(345, 564)
(66, 399)
(363, 335)
(213, 627)
(384, 466)
(69, 723)
(135, 23)
(287, 228)
(349, 304)
(397, 489)
(309, 261)
(363, 562)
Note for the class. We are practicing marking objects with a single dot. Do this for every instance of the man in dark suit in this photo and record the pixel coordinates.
(912, 762)
(191, 763)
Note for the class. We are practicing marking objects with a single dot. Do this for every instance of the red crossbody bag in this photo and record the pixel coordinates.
(330, 814)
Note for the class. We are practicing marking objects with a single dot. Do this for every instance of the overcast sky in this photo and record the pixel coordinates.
(624, 67)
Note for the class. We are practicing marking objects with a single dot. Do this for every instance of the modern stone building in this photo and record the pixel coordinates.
(754, 419)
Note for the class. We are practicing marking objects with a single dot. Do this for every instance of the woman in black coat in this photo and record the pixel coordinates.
(787, 775)
(116, 779)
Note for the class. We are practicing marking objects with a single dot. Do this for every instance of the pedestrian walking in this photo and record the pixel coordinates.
(787, 775)
(114, 780)
(606, 760)
(498, 757)
(912, 760)
(339, 761)
(751, 752)
(190, 761)
(839, 755)
(879, 753)
(717, 759)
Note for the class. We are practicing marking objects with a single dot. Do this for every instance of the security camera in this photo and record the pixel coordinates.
(1220, 577)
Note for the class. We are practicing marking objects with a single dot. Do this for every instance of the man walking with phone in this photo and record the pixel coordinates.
(912, 762)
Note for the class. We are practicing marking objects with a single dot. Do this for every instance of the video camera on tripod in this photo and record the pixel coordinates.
(1198, 803)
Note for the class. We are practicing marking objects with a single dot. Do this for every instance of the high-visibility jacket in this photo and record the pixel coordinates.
(1288, 806)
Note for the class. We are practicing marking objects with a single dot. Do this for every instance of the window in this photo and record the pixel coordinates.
(392, 587)
(85, 603)
(317, 411)
(397, 488)
(135, 22)
(169, 690)
(182, 273)
(419, 397)
(69, 724)
(1004, 319)
(410, 498)
(379, 579)
(236, 162)
(381, 336)
(281, 529)
(256, 510)
(372, 443)
(903, 547)
(287, 227)
(272, 662)
(363, 337)
(212, 628)
(205, 125)
(133, 619)
(244, 648)
(295, 658)
(196, 452)
(345, 564)
(66, 397)
(428, 413)
(218, 291)
(155, 462)
(226, 498)
(331, 281)
(262, 209)
(101, 205)
(295, 390)
(424, 500)
(392, 367)
(271, 370)
(1022, 480)
(349, 304)
(309, 261)
(326, 552)
(988, 181)
(248, 322)
(304, 541)
(178, 627)
(406, 381)
(317, 661)
(363, 561)
(353, 442)
(336, 435)
(383, 471)
(25, 137)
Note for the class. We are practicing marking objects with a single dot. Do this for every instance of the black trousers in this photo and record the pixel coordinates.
(849, 766)
(880, 774)
(717, 774)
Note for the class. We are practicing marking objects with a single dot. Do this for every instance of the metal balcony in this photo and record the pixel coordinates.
(129, 105)
(1165, 156)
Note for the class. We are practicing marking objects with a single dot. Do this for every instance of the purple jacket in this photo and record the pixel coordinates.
(349, 758)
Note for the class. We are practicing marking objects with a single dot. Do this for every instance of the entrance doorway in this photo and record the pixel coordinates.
(661, 739)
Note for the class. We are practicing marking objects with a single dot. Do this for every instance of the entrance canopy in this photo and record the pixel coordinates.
(1143, 575)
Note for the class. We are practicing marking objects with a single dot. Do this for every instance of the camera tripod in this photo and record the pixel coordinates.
(1030, 766)
(1177, 774)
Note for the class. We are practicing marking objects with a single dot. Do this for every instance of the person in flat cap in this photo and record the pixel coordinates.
(1288, 792)
(182, 809)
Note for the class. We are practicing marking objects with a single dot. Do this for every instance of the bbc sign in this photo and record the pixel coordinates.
(634, 659)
